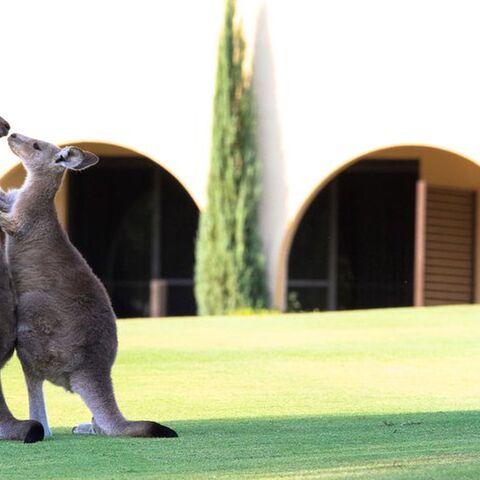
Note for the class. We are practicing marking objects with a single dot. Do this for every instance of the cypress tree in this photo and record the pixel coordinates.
(230, 267)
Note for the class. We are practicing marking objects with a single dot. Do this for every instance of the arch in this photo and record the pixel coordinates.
(14, 176)
(135, 222)
(144, 225)
(437, 166)
(116, 149)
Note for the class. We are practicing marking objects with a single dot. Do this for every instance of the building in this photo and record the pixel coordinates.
(368, 132)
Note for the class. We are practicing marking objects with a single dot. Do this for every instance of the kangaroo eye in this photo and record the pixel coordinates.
(36, 146)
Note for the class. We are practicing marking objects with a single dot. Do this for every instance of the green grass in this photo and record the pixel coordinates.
(379, 394)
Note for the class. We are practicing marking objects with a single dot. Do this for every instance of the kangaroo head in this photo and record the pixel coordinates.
(40, 156)
(4, 127)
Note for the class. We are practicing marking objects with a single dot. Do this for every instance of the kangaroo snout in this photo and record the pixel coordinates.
(22, 140)
(13, 143)
(4, 127)
(18, 138)
(14, 138)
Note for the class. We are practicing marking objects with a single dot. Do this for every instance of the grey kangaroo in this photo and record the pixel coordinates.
(10, 428)
(66, 325)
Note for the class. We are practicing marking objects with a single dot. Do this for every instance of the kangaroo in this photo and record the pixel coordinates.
(10, 428)
(66, 324)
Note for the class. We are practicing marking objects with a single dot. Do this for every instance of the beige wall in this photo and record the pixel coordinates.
(334, 80)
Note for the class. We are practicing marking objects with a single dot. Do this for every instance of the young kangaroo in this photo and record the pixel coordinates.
(66, 325)
(10, 428)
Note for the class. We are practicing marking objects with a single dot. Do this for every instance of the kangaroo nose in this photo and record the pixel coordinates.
(7, 125)
(13, 135)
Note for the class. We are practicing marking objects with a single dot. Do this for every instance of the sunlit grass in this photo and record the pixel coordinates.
(372, 394)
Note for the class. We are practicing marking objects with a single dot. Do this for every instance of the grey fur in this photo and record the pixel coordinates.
(66, 325)
(10, 428)
(4, 127)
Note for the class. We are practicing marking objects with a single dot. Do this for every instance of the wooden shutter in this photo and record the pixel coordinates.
(448, 243)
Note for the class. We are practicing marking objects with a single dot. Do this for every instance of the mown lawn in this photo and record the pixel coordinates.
(364, 395)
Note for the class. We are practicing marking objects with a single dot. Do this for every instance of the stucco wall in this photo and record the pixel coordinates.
(334, 80)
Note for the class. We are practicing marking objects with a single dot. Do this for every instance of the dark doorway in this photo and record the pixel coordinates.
(354, 247)
(134, 222)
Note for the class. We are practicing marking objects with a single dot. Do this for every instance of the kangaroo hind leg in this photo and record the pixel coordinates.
(97, 392)
(36, 402)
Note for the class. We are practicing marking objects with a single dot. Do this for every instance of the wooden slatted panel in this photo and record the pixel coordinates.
(449, 243)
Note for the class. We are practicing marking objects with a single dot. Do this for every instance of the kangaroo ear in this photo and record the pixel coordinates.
(75, 158)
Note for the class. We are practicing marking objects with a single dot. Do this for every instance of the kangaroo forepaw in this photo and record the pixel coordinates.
(7, 200)
(8, 224)
(4, 204)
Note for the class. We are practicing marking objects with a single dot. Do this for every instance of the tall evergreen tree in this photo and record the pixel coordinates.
(230, 267)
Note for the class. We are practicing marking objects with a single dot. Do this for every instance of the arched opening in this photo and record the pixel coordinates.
(135, 224)
(396, 227)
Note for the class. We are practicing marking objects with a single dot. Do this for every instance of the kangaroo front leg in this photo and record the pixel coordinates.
(36, 403)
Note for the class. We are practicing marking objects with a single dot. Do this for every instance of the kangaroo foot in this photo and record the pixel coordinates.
(96, 390)
(30, 431)
(45, 427)
(162, 431)
(36, 433)
(129, 429)
(147, 430)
